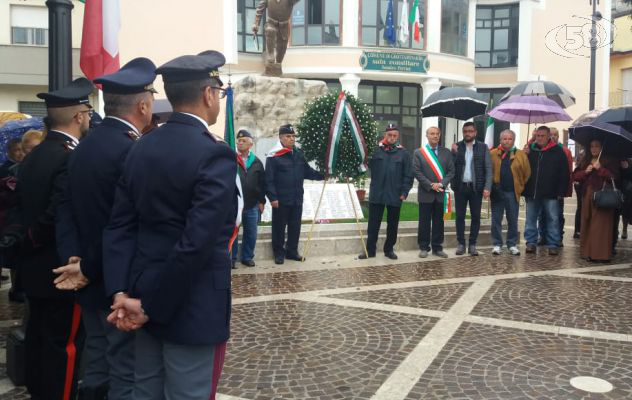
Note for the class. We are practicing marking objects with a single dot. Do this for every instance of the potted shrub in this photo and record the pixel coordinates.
(360, 184)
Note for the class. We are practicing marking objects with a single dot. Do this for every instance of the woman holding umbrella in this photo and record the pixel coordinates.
(593, 172)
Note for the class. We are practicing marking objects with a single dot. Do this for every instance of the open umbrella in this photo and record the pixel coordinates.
(454, 102)
(615, 138)
(548, 89)
(15, 129)
(529, 109)
(621, 116)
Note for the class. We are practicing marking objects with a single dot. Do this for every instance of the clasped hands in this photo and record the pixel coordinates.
(437, 187)
(127, 313)
(70, 275)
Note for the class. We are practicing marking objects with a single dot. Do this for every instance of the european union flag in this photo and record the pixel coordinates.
(389, 32)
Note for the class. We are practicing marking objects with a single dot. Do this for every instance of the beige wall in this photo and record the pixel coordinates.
(623, 39)
(10, 95)
(5, 19)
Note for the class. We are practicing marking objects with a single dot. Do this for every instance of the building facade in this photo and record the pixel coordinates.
(487, 45)
(621, 56)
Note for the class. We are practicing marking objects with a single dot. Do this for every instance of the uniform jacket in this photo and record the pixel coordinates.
(253, 183)
(41, 182)
(549, 173)
(520, 169)
(391, 175)
(284, 177)
(167, 239)
(481, 167)
(426, 177)
(94, 169)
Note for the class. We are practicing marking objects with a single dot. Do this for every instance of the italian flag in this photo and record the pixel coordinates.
(99, 43)
(489, 133)
(415, 20)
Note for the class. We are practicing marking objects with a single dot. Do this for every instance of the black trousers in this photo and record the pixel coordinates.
(282, 217)
(466, 195)
(376, 211)
(54, 341)
(430, 217)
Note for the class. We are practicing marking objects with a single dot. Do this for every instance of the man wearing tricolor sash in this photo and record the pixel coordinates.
(434, 169)
(391, 180)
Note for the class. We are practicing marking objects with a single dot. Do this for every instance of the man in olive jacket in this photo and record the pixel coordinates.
(391, 180)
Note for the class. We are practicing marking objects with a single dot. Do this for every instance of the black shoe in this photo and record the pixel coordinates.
(575, 235)
(530, 249)
(460, 250)
(248, 263)
(363, 256)
(440, 253)
(232, 265)
(472, 250)
(391, 255)
(279, 260)
(553, 251)
(295, 257)
(624, 235)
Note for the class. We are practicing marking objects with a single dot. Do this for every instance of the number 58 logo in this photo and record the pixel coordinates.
(573, 41)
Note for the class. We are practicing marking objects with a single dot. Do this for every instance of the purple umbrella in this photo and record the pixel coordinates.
(529, 109)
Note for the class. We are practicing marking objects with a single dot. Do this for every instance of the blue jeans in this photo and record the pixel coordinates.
(249, 221)
(542, 222)
(551, 210)
(506, 203)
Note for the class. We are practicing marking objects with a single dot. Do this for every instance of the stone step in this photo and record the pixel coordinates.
(331, 245)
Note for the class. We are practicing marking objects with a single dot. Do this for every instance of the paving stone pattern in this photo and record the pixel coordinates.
(561, 301)
(621, 273)
(436, 297)
(486, 362)
(301, 350)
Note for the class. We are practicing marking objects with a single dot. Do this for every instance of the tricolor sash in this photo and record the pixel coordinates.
(433, 161)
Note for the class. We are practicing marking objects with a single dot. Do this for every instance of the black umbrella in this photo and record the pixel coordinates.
(552, 90)
(616, 139)
(621, 116)
(455, 102)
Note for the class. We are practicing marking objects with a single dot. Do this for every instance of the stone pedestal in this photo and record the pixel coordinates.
(264, 103)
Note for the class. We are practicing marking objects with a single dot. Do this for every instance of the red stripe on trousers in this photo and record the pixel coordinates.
(218, 365)
(71, 351)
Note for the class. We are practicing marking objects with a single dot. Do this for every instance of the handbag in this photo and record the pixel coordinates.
(608, 198)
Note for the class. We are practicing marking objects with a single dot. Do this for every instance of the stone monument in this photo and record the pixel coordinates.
(276, 32)
(262, 104)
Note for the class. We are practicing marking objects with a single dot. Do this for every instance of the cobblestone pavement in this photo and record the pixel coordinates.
(487, 327)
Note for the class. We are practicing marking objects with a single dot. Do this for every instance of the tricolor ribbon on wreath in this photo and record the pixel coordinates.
(433, 161)
(344, 112)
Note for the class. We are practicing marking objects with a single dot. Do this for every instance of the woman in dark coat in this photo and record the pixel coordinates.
(596, 235)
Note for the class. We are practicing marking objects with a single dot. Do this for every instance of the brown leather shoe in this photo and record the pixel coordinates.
(553, 251)
(530, 249)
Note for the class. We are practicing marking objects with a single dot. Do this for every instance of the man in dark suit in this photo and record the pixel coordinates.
(286, 169)
(94, 169)
(166, 244)
(391, 180)
(52, 328)
(434, 168)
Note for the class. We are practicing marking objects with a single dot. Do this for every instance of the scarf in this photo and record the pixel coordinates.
(504, 152)
(549, 145)
(388, 147)
(278, 150)
(246, 165)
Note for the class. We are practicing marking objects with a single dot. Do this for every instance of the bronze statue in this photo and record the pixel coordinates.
(276, 32)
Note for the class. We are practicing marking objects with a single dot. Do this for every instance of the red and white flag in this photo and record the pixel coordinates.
(99, 43)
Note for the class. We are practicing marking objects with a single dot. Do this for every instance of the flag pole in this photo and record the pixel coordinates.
(311, 229)
(355, 213)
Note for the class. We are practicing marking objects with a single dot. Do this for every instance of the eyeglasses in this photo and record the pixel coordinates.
(90, 112)
(222, 91)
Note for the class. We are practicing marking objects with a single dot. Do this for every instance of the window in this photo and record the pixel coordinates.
(626, 86)
(29, 25)
(497, 36)
(395, 104)
(454, 18)
(32, 108)
(245, 19)
(316, 22)
(373, 23)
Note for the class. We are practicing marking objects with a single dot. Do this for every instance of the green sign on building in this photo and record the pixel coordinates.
(393, 61)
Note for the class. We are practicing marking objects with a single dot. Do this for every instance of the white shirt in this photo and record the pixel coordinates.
(125, 122)
(75, 141)
(198, 118)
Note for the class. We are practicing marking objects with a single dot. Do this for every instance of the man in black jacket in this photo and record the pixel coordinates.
(472, 182)
(286, 168)
(253, 185)
(548, 183)
(52, 328)
(391, 180)
(94, 169)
